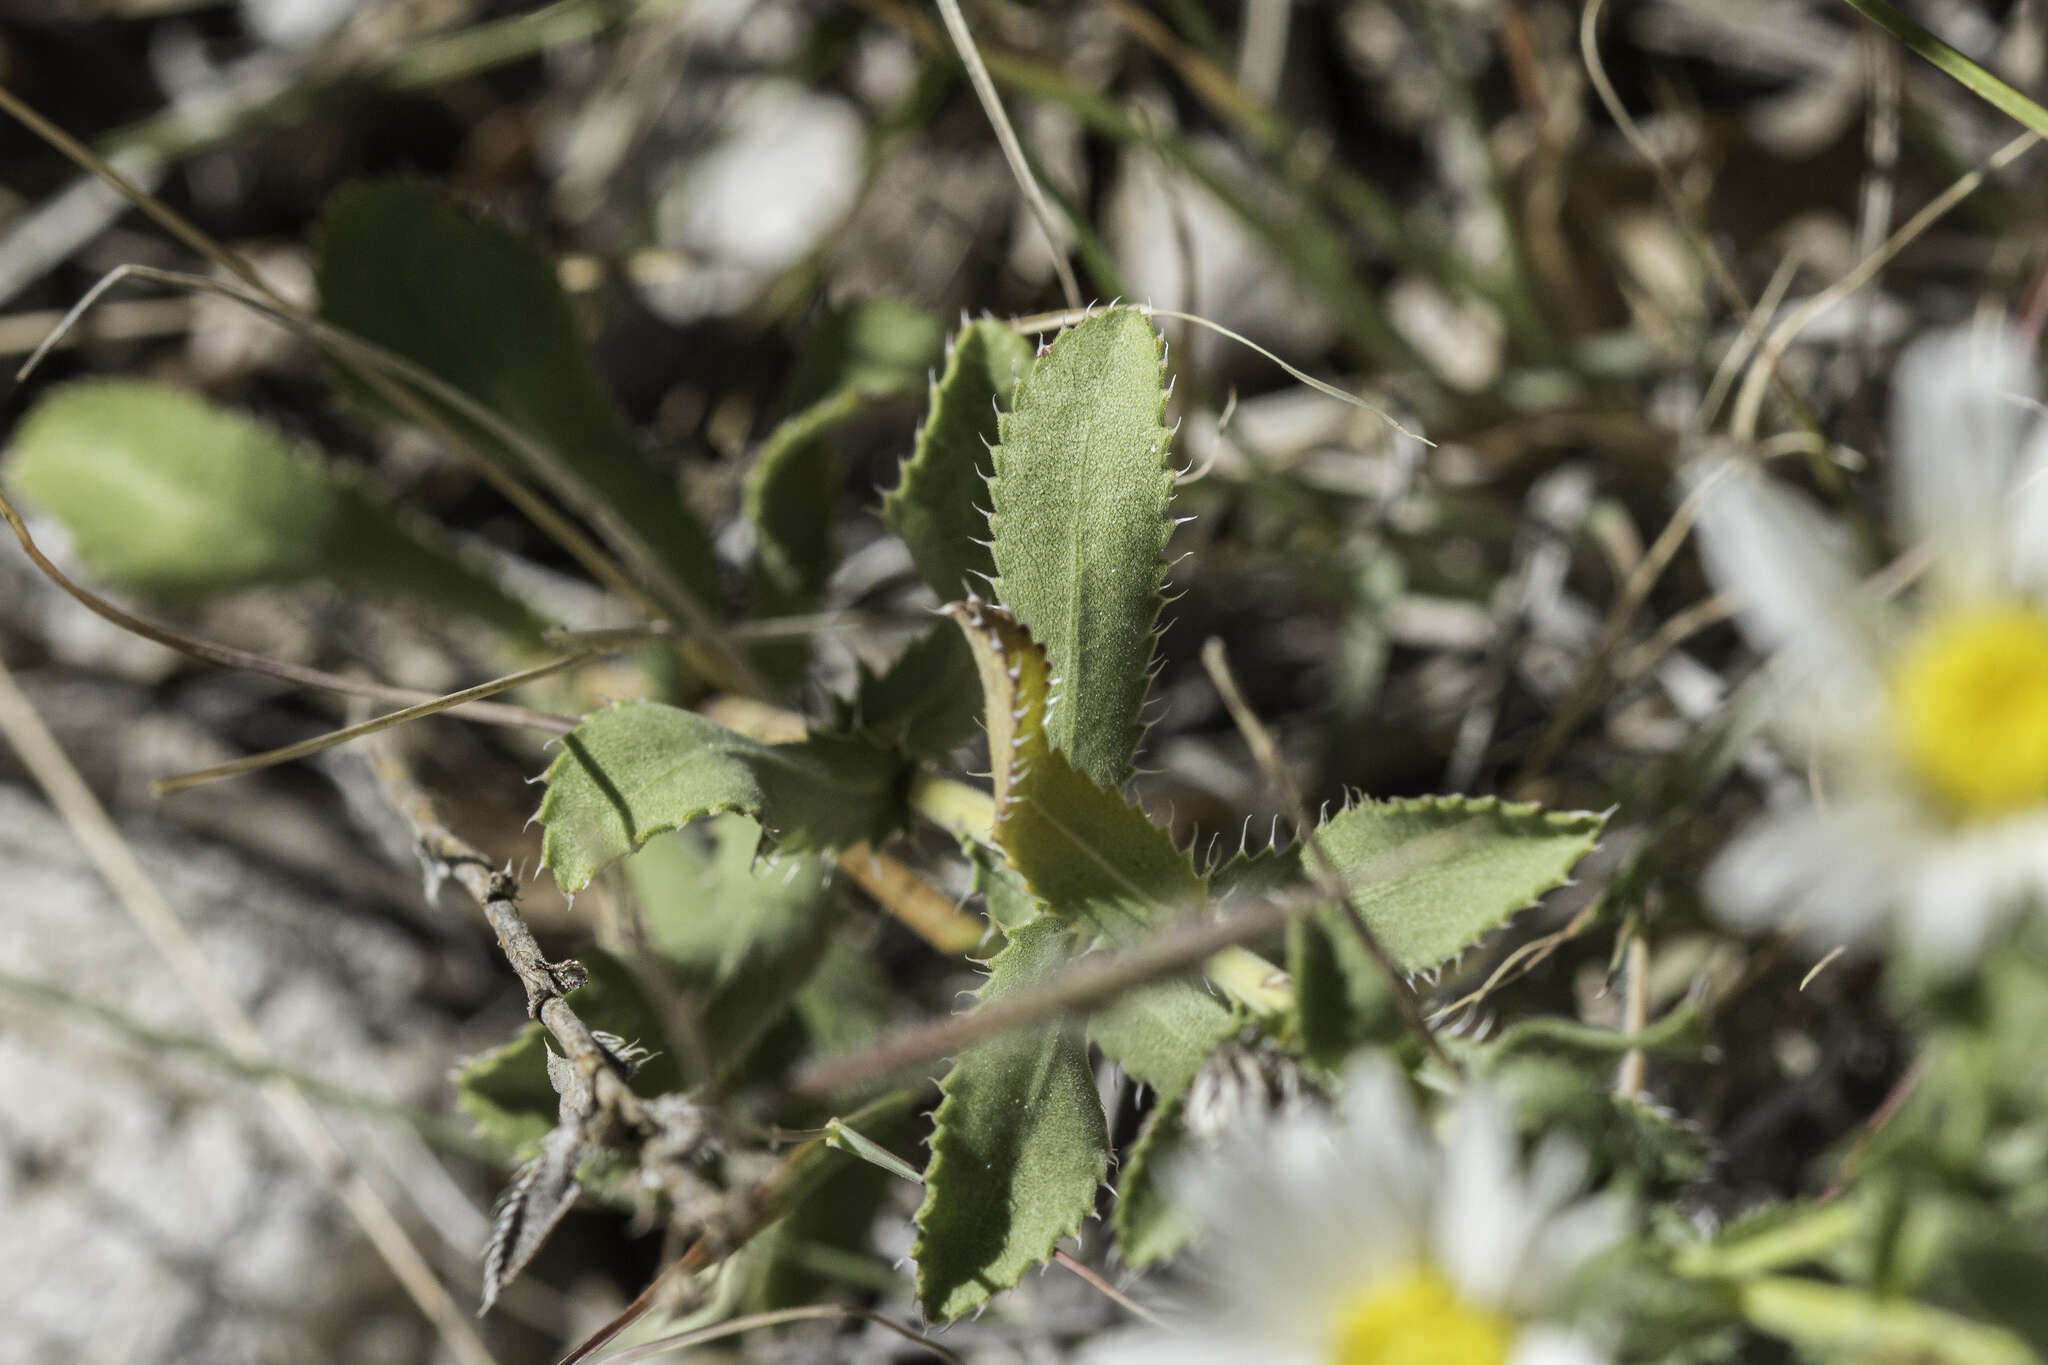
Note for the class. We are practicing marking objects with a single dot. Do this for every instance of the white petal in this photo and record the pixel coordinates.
(2026, 516)
(1485, 1217)
(1964, 889)
(1831, 874)
(1555, 1346)
(1790, 572)
(1959, 417)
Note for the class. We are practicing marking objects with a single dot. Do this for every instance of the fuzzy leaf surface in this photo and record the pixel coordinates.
(939, 505)
(1019, 1147)
(1434, 874)
(1163, 1034)
(1080, 524)
(165, 493)
(631, 772)
(484, 311)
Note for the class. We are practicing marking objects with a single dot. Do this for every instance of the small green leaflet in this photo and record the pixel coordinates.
(630, 772)
(926, 704)
(484, 311)
(1080, 524)
(1019, 1148)
(167, 494)
(939, 506)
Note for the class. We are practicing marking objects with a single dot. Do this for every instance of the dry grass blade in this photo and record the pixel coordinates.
(1013, 151)
(271, 758)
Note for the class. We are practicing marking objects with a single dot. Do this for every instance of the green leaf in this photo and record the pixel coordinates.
(484, 311)
(791, 494)
(1149, 1226)
(167, 494)
(927, 703)
(1433, 875)
(1008, 900)
(742, 932)
(1342, 999)
(1163, 1034)
(938, 506)
(631, 772)
(874, 342)
(1080, 525)
(1091, 856)
(1019, 1147)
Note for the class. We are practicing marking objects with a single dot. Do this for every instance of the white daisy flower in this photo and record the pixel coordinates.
(1353, 1237)
(1927, 717)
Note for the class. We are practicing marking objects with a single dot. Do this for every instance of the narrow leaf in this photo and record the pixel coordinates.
(485, 311)
(167, 494)
(631, 772)
(1080, 524)
(940, 505)
(1019, 1147)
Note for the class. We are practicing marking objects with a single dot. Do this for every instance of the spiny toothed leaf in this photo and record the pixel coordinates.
(740, 931)
(1149, 1226)
(1092, 857)
(925, 704)
(1433, 875)
(1080, 524)
(1019, 1148)
(630, 772)
(939, 507)
(1008, 900)
(165, 493)
(485, 312)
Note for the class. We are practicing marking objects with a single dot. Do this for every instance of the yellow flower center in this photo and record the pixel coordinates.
(1970, 705)
(1416, 1318)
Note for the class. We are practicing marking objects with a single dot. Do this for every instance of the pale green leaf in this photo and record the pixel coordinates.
(637, 769)
(169, 495)
(1019, 1148)
(1080, 524)
(484, 311)
(940, 505)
